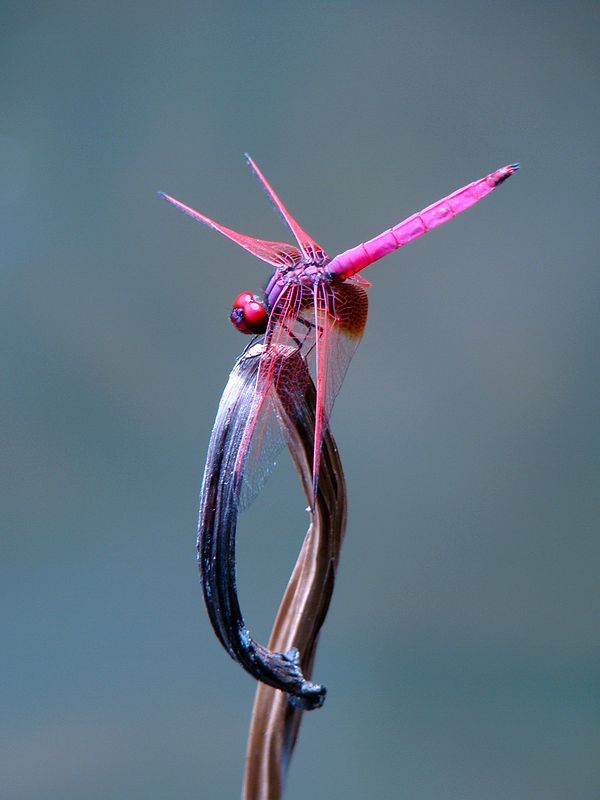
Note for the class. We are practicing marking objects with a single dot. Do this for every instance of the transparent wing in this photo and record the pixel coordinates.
(340, 316)
(324, 327)
(280, 385)
(279, 254)
(260, 447)
(312, 251)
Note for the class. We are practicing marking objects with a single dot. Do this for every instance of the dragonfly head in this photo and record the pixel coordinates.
(249, 314)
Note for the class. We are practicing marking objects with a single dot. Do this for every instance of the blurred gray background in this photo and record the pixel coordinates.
(461, 651)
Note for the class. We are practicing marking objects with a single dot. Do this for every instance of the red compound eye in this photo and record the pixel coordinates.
(243, 298)
(249, 314)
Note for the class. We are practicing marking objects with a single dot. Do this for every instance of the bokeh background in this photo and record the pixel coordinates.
(461, 651)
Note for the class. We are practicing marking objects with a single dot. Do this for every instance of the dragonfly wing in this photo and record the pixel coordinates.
(279, 254)
(340, 316)
(259, 448)
(281, 381)
(237, 407)
(299, 341)
(312, 251)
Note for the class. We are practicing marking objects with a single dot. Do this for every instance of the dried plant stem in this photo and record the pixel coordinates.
(275, 722)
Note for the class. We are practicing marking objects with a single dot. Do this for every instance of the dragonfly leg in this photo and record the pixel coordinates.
(292, 335)
(310, 326)
(255, 339)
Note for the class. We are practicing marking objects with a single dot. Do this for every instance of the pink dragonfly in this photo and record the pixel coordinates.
(318, 306)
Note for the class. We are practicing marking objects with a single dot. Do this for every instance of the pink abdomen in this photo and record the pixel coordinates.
(356, 258)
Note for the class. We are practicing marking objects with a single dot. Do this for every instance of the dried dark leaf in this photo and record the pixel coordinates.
(278, 666)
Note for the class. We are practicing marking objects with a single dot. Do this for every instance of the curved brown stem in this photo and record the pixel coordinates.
(274, 726)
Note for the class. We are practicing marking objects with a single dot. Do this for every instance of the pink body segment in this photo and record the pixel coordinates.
(356, 258)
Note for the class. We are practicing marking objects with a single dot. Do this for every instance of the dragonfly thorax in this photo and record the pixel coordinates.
(303, 276)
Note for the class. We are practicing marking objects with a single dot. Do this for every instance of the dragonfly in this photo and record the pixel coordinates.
(317, 306)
